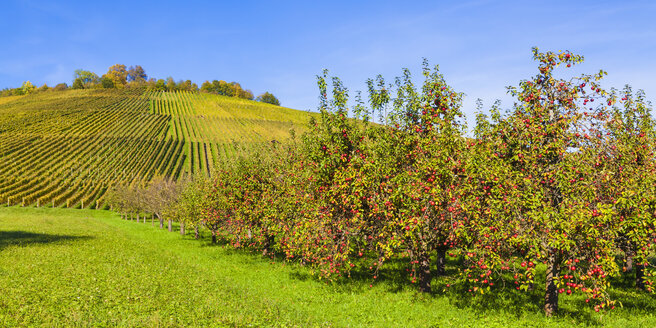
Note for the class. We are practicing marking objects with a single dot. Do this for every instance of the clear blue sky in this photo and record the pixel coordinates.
(279, 46)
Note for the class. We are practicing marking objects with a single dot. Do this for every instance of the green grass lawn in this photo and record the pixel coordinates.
(66, 267)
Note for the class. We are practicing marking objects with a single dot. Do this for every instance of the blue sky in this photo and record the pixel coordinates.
(279, 46)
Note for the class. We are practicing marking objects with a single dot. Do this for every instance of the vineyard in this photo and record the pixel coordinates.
(66, 149)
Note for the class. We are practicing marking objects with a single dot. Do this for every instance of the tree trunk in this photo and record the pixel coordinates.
(629, 262)
(441, 262)
(161, 222)
(213, 237)
(196, 234)
(640, 276)
(424, 273)
(170, 225)
(152, 220)
(268, 241)
(551, 293)
(137, 218)
(182, 228)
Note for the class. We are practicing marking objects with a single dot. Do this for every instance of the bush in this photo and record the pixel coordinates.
(106, 82)
(268, 98)
(60, 87)
(77, 84)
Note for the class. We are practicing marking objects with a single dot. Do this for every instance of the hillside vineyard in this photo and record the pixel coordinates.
(66, 149)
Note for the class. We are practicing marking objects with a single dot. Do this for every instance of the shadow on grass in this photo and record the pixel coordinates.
(206, 242)
(503, 298)
(395, 278)
(25, 238)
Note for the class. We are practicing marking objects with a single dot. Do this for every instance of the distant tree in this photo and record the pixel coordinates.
(106, 82)
(221, 88)
(137, 74)
(224, 88)
(86, 79)
(44, 87)
(60, 87)
(160, 85)
(160, 196)
(236, 89)
(28, 88)
(170, 84)
(130, 201)
(150, 84)
(118, 74)
(183, 86)
(216, 86)
(78, 84)
(115, 199)
(188, 206)
(187, 86)
(268, 98)
(206, 87)
(246, 94)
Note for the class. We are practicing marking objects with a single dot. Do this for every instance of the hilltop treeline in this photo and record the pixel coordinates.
(119, 76)
(560, 186)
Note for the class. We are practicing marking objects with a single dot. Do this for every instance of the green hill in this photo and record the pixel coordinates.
(67, 148)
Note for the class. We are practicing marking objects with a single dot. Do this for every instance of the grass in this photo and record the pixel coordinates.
(9, 99)
(66, 267)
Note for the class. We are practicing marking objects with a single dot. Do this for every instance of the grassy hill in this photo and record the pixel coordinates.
(65, 149)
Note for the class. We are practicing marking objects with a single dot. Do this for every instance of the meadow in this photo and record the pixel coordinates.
(89, 268)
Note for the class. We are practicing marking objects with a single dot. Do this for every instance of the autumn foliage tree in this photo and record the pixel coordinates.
(136, 74)
(550, 143)
(424, 146)
(83, 79)
(629, 154)
(318, 223)
(118, 74)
